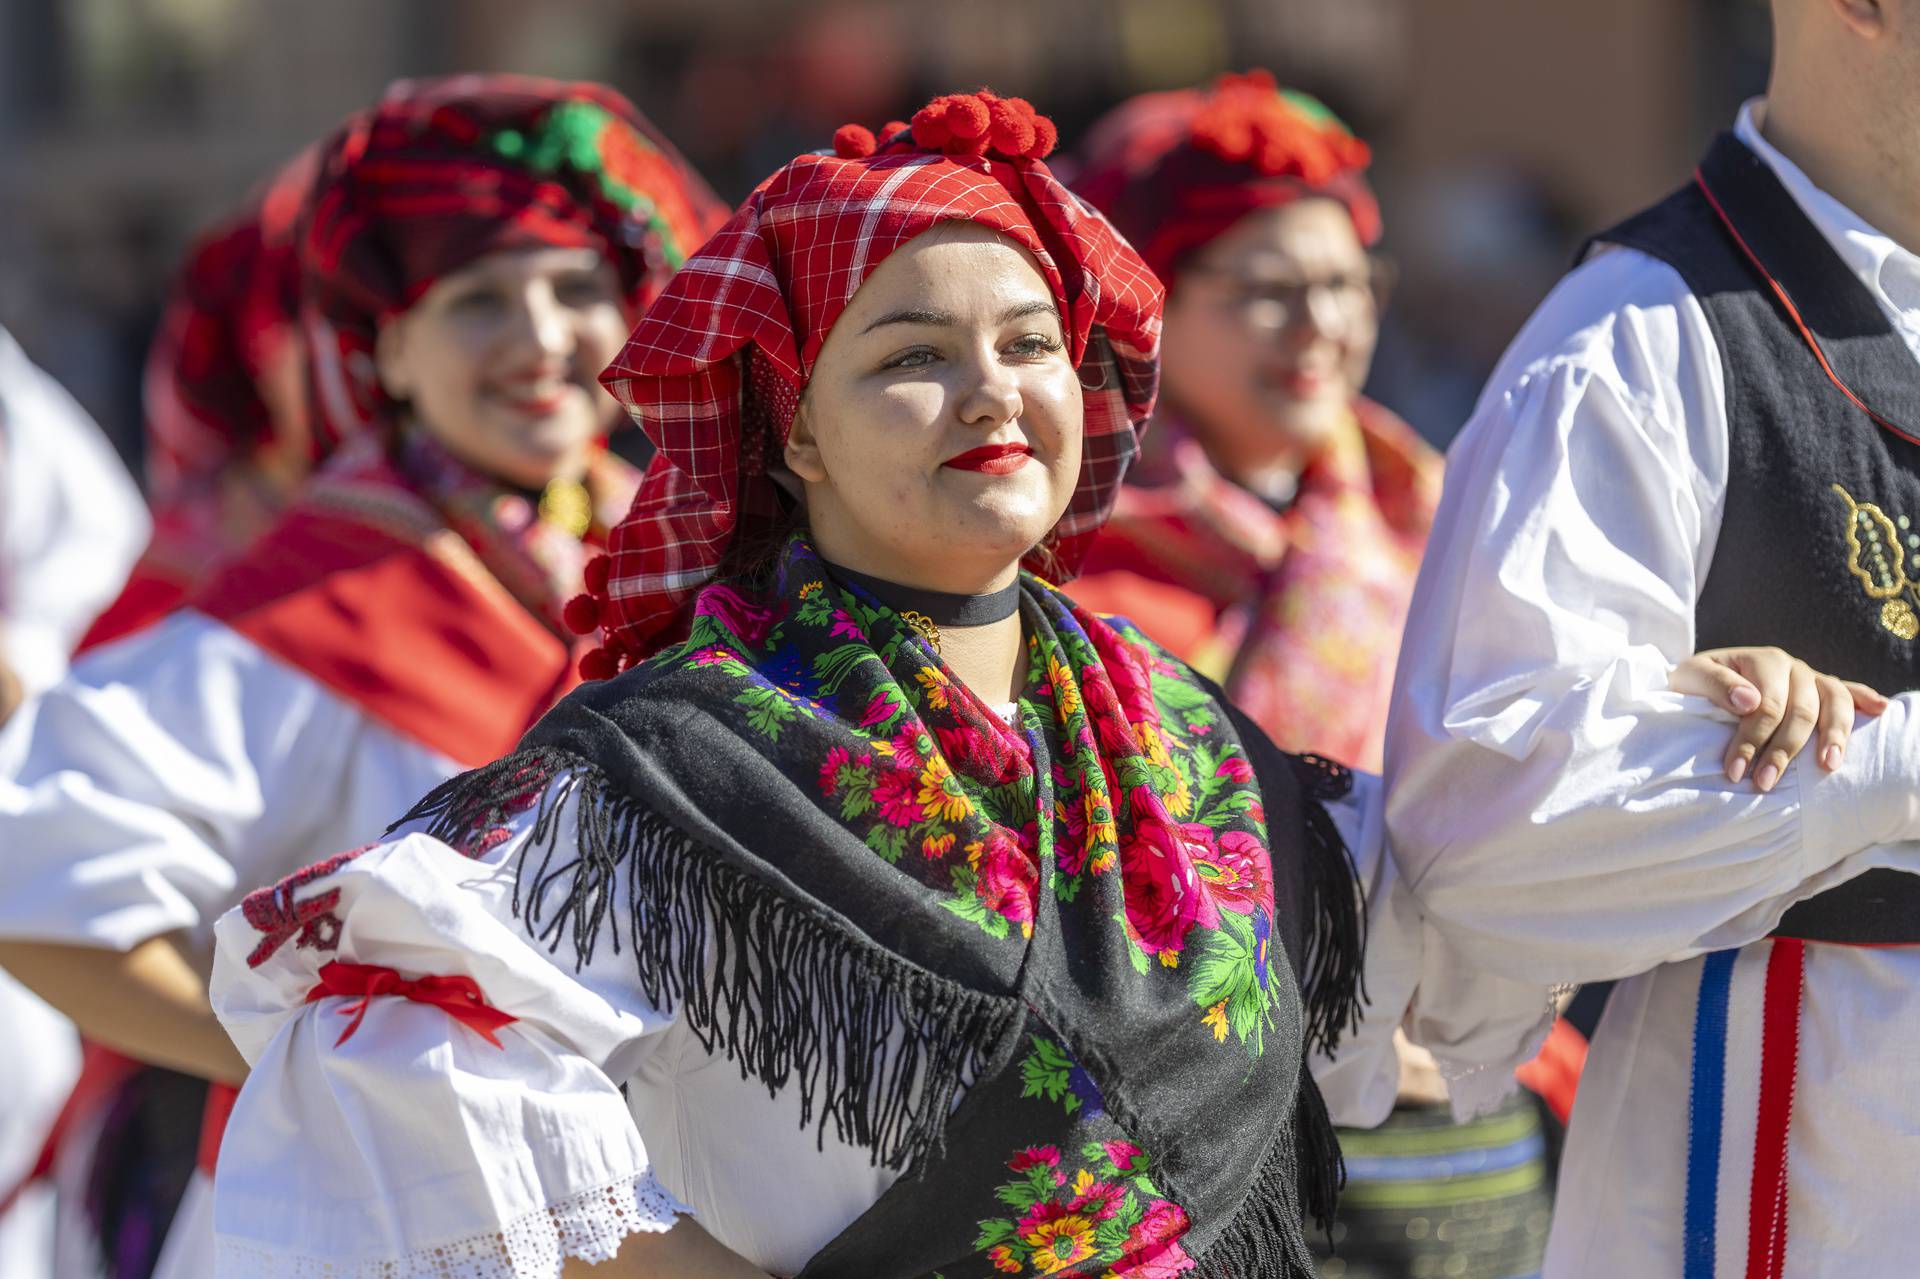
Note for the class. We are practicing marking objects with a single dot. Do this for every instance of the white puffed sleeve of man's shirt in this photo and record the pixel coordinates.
(1477, 1023)
(1560, 813)
(72, 523)
(414, 1145)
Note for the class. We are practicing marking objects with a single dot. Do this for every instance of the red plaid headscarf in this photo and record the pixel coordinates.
(232, 314)
(715, 369)
(442, 172)
(1174, 170)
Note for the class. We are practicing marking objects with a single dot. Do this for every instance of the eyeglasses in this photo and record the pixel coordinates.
(1272, 303)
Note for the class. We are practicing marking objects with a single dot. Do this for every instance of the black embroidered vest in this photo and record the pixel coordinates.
(1819, 549)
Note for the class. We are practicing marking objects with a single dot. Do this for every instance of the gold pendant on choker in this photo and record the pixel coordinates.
(924, 624)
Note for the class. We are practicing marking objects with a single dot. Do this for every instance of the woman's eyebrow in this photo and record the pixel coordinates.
(1022, 310)
(946, 319)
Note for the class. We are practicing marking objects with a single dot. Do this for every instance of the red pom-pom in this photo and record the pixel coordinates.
(598, 570)
(582, 615)
(930, 125)
(853, 142)
(967, 117)
(1046, 136)
(1012, 128)
(893, 128)
(978, 123)
(1247, 120)
(598, 664)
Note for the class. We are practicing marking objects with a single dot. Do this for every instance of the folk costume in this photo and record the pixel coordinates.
(1294, 605)
(227, 440)
(71, 522)
(779, 924)
(403, 619)
(1705, 436)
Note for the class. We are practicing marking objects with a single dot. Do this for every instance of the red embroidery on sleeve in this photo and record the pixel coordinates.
(460, 997)
(277, 916)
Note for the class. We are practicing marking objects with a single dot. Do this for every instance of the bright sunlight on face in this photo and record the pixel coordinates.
(501, 359)
(939, 438)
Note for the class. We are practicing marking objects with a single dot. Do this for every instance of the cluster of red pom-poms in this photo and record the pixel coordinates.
(585, 614)
(1247, 120)
(980, 123)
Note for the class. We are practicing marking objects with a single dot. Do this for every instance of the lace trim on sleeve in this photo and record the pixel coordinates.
(589, 1226)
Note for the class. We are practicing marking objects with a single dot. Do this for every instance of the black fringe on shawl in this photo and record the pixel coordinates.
(1303, 1170)
(785, 992)
(1333, 978)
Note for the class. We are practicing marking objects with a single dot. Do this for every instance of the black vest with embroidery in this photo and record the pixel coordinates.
(1819, 548)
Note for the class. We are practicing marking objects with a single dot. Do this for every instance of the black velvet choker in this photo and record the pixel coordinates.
(929, 611)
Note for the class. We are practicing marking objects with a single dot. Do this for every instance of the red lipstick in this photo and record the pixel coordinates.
(992, 459)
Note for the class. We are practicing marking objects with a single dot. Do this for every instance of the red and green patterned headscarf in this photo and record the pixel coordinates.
(442, 172)
(1175, 170)
(715, 369)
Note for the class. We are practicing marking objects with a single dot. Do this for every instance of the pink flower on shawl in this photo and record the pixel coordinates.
(1009, 879)
(1164, 896)
(1103, 709)
(836, 759)
(979, 751)
(896, 795)
(911, 747)
(1237, 873)
(1121, 1153)
(844, 627)
(1072, 852)
(1152, 1249)
(1126, 668)
(882, 708)
(1035, 1157)
(1099, 1200)
(1235, 768)
(737, 614)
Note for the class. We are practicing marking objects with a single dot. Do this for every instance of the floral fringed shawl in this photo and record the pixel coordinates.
(1053, 969)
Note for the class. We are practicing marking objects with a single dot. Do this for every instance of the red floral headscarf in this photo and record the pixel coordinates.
(442, 172)
(715, 369)
(232, 315)
(1174, 170)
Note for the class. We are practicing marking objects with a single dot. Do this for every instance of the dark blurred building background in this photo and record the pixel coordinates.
(1504, 130)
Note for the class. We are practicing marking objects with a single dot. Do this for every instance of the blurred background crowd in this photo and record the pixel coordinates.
(1503, 132)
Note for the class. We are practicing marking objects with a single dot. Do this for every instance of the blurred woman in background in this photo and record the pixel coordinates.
(471, 251)
(1271, 536)
(227, 439)
(1271, 532)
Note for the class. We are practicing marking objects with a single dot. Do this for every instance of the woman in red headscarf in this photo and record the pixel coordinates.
(1271, 532)
(227, 438)
(471, 251)
(878, 906)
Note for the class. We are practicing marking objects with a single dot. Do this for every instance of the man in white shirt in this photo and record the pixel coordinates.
(1705, 436)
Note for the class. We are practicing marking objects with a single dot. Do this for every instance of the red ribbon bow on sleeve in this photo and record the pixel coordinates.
(460, 997)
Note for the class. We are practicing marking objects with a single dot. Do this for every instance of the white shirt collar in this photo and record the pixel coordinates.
(1890, 272)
